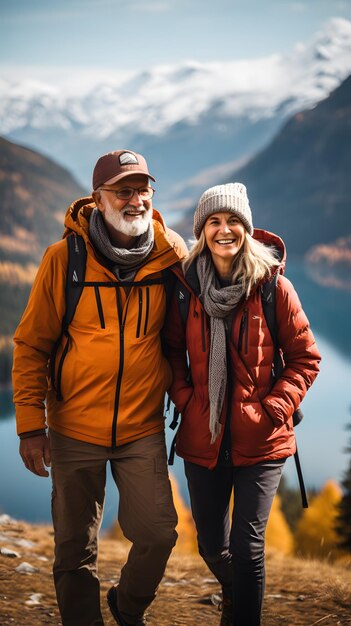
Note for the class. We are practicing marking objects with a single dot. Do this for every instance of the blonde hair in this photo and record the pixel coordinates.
(253, 263)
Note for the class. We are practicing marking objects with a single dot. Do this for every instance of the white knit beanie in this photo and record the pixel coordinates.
(222, 198)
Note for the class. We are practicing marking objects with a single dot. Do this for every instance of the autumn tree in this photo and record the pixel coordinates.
(315, 532)
(186, 542)
(278, 533)
(343, 520)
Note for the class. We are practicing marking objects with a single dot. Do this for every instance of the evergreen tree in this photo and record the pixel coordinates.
(343, 522)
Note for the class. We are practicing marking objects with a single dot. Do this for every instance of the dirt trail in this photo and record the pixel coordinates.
(298, 592)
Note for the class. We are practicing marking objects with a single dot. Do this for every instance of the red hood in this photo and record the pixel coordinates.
(272, 240)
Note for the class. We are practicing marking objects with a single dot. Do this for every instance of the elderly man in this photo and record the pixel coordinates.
(104, 400)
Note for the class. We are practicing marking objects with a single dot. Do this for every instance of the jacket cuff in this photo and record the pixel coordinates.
(32, 433)
(29, 418)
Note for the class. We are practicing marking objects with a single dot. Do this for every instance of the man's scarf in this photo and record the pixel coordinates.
(126, 261)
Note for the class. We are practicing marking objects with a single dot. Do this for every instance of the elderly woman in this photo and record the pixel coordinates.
(236, 429)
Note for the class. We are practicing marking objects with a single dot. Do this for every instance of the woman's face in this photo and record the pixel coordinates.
(225, 236)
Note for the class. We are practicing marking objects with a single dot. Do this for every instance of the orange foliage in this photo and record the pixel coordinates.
(315, 533)
(278, 533)
(186, 542)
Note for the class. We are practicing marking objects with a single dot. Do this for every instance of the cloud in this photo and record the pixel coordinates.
(298, 7)
(154, 6)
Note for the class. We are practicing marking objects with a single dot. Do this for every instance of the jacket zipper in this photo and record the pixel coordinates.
(140, 298)
(120, 370)
(243, 333)
(99, 306)
(147, 309)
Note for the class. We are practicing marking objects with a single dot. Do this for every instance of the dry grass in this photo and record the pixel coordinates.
(298, 592)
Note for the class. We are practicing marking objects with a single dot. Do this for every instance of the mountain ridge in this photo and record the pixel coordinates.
(299, 186)
(35, 193)
(184, 118)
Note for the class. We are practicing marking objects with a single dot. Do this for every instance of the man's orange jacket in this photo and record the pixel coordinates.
(113, 378)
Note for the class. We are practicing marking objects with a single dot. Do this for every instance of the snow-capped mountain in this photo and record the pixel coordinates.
(186, 118)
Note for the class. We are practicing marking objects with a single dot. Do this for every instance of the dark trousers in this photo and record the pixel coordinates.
(146, 515)
(234, 549)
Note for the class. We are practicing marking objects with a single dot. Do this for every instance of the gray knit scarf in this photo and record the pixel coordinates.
(218, 303)
(126, 261)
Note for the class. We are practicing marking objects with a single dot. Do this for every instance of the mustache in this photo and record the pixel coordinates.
(132, 209)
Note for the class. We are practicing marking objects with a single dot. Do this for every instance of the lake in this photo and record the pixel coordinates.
(321, 436)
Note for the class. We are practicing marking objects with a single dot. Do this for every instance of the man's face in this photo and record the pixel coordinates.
(129, 217)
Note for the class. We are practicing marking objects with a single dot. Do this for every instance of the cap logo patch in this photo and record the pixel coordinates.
(127, 158)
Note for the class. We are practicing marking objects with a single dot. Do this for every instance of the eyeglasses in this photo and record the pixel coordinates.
(127, 193)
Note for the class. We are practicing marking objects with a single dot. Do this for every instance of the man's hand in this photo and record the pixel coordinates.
(35, 453)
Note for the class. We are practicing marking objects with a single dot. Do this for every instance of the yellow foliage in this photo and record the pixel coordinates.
(315, 534)
(278, 533)
(186, 530)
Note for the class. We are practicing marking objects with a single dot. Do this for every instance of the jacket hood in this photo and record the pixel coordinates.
(168, 249)
(77, 217)
(272, 241)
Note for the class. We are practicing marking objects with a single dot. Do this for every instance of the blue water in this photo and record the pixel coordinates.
(321, 436)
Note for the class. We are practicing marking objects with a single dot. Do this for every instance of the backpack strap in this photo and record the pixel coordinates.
(77, 255)
(183, 301)
(268, 304)
(169, 280)
(77, 258)
(268, 297)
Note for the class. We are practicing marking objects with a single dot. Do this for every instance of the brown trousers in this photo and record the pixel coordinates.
(146, 515)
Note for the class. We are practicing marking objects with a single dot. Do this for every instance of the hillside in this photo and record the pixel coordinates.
(35, 193)
(300, 186)
(298, 593)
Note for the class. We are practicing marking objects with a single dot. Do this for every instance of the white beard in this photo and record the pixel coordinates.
(135, 228)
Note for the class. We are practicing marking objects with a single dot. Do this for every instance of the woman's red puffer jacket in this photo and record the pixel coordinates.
(260, 415)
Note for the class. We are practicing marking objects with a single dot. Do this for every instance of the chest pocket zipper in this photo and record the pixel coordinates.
(99, 306)
(140, 311)
(244, 333)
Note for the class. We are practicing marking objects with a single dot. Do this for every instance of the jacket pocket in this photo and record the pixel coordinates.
(251, 429)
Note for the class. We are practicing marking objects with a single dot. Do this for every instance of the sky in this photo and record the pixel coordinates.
(60, 40)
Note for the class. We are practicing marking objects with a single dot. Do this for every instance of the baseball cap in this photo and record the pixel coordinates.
(114, 166)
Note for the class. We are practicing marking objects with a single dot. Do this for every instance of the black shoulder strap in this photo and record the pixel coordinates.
(183, 300)
(268, 292)
(169, 280)
(77, 257)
